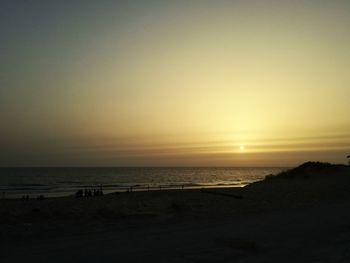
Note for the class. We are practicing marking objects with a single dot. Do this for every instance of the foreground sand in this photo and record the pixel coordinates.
(297, 217)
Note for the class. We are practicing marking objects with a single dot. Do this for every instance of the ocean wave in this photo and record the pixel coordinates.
(52, 180)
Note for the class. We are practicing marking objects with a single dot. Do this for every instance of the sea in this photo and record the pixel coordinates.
(56, 182)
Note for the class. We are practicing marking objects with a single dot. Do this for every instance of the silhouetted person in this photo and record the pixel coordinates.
(41, 197)
(79, 193)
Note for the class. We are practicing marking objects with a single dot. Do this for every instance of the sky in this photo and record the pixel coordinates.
(174, 83)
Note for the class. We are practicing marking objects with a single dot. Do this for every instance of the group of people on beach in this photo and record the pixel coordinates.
(89, 192)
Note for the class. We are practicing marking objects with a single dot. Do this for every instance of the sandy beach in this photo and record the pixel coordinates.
(299, 216)
(175, 131)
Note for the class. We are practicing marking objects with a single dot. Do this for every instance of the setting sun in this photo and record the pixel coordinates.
(176, 85)
(167, 131)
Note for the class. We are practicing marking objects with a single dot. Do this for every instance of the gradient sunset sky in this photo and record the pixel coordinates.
(174, 83)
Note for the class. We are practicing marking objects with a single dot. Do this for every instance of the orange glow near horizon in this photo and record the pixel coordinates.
(207, 83)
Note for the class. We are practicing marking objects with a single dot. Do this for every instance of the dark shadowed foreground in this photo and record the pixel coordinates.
(302, 215)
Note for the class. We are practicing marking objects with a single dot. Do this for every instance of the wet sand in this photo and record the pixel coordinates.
(300, 217)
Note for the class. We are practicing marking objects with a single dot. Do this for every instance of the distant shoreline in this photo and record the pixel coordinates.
(127, 190)
(65, 181)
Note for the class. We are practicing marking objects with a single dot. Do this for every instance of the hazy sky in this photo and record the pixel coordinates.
(174, 83)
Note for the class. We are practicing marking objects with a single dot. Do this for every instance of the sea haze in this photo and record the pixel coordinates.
(16, 182)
